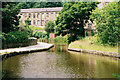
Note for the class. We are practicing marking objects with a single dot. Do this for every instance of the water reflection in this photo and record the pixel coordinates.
(60, 63)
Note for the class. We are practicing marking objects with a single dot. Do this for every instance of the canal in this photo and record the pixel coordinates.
(58, 62)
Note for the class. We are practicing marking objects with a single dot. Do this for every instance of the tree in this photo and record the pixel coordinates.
(73, 17)
(26, 5)
(107, 24)
(49, 27)
(10, 20)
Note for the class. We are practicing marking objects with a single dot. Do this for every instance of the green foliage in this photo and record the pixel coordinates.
(107, 24)
(39, 34)
(86, 33)
(73, 17)
(26, 28)
(10, 10)
(49, 27)
(26, 5)
(61, 39)
(92, 33)
(14, 37)
(36, 28)
(117, 76)
(10, 20)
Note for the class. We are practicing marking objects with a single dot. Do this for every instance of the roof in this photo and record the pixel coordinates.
(41, 9)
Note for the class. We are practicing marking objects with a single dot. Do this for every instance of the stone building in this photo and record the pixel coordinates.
(89, 27)
(39, 16)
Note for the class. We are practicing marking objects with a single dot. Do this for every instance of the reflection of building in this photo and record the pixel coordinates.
(39, 16)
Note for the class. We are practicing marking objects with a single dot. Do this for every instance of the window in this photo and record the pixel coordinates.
(38, 15)
(29, 22)
(89, 26)
(38, 22)
(29, 15)
(25, 15)
(47, 20)
(33, 15)
(56, 14)
(42, 15)
(52, 14)
(42, 22)
(34, 22)
(47, 14)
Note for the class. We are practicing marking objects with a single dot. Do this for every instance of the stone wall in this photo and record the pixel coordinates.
(31, 41)
(102, 53)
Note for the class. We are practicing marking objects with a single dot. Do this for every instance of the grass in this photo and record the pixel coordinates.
(36, 28)
(87, 43)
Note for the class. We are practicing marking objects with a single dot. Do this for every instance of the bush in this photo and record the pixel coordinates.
(26, 28)
(39, 34)
(107, 24)
(15, 37)
(36, 28)
(86, 33)
(92, 33)
(49, 27)
(61, 39)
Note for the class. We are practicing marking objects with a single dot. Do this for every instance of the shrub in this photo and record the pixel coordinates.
(107, 24)
(61, 39)
(15, 37)
(92, 33)
(36, 28)
(86, 33)
(49, 27)
(39, 34)
(26, 28)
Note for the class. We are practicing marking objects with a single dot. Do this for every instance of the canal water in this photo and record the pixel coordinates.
(58, 62)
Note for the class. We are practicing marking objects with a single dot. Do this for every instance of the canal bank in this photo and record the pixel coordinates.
(102, 53)
(23, 50)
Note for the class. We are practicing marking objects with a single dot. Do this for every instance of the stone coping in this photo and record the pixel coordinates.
(103, 53)
(23, 50)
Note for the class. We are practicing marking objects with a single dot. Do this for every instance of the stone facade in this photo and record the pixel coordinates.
(39, 16)
(89, 27)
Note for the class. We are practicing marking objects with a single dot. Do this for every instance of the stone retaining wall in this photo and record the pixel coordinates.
(25, 50)
(103, 53)
(31, 41)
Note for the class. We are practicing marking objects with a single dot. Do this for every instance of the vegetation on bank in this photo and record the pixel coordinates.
(14, 37)
(36, 28)
(107, 24)
(12, 30)
(72, 19)
(89, 43)
(49, 27)
(39, 34)
(60, 39)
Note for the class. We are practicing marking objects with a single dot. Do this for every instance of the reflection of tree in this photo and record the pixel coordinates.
(60, 48)
(80, 65)
(106, 67)
(77, 65)
(11, 66)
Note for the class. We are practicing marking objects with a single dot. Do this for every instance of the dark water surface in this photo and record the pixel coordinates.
(59, 63)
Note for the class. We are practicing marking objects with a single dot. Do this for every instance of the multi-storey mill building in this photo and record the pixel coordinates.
(39, 16)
